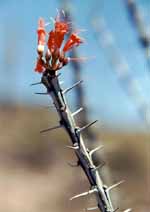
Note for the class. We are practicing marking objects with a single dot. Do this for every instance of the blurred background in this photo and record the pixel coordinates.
(34, 174)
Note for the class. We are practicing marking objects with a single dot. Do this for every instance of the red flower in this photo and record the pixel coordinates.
(41, 35)
(73, 40)
(39, 66)
(54, 59)
(51, 43)
(61, 28)
(56, 36)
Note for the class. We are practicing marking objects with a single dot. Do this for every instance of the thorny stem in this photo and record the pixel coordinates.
(136, 18)
(85, 160)
(49, 64)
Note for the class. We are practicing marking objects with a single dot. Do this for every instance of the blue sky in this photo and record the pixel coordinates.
(105, 97)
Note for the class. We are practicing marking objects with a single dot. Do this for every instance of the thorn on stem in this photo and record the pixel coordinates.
(50, 129)
(74, 164)
(37, 83)
(87, 126)
(74, 85)
(41, 93)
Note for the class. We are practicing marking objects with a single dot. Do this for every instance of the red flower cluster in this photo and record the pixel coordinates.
(55, 55)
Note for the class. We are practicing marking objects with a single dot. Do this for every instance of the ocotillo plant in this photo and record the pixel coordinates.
(118, 62)
(49, 62)
(136, 18)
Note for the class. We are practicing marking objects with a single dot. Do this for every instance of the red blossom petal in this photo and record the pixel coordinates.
(39, 66)
(61, 28)
(41, 32)
(73, 40)
(51, 43)
(56, 36)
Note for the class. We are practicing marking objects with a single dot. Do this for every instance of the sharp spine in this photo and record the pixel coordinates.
(87, 126)
(73, 165)
(84, 194)
(91, 209)
(50, 129)
(77, 111)
(73, 147)
(37, 83)
(42, 93)
(94, 150)
(99, 166)
(114, 186)
(74, 85)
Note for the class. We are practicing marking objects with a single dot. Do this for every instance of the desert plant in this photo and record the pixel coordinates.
(48, 64)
